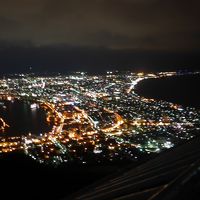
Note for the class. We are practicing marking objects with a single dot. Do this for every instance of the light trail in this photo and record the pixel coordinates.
(133, 84)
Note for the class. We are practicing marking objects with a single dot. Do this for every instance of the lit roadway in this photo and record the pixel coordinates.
(76, 125)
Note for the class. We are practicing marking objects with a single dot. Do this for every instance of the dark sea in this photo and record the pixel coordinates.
(183, 90)
(22, 119)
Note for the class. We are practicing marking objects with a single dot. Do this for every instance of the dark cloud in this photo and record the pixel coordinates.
(104, 32)
(57, 58)
(109, 23)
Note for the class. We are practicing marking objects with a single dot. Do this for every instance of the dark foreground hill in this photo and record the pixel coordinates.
(23, 178)
(174, 174)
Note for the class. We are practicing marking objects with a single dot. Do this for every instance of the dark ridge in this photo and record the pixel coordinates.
(173, 174)
(21, 175)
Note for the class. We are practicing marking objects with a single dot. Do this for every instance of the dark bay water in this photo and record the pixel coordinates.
(22, 119)
(183, 90)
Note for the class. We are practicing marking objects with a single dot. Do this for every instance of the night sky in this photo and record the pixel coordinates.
(95, 35)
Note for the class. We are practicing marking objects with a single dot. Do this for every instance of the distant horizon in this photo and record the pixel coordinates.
(103, 71)
(99, 35)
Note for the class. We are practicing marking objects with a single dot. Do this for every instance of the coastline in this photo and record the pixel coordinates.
(173, 89)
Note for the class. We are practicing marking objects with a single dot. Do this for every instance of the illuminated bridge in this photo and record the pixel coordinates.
(174, 174)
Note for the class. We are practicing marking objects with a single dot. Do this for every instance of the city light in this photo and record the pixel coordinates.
(95, 118)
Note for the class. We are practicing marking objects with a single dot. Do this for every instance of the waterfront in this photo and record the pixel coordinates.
(22, 119)
(183, 90)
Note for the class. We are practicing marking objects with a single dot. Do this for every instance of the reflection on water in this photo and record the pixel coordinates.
(22, 119)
